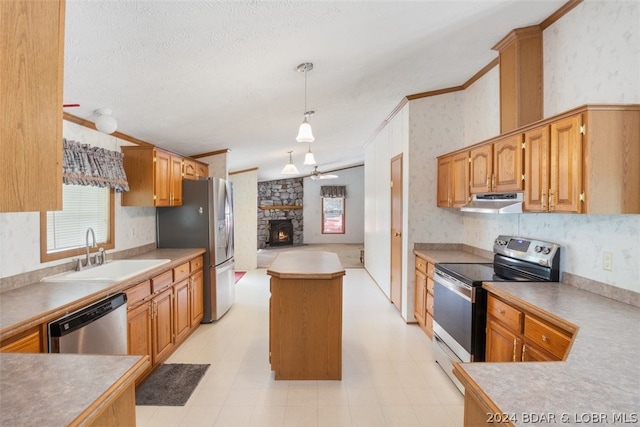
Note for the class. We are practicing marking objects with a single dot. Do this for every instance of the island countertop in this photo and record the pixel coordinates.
(63, 389)
(601, 374)
(306, 265)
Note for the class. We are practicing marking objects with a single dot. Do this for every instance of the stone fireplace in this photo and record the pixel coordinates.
(280, 232)
(280, 200)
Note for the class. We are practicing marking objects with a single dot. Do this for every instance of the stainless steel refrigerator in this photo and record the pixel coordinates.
(205, 220)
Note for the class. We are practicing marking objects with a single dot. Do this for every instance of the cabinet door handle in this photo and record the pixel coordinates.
(515, 343)
(488, 183)
(544, 196)
(493, 181)
(524, 348)
(551, 201)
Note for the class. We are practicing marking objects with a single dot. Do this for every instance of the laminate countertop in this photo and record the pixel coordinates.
(31, 305)
(599, 383)
(62, 389)
(306, 265)
(436, 256)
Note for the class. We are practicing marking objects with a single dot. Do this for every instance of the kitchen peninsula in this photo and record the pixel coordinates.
(305, 316)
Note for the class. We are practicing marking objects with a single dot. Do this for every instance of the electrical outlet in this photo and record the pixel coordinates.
(607, 261)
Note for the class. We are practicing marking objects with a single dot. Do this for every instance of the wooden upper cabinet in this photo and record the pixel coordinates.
(202, 170)
(536, 165)
(481, 168)
(154, 175)
(189, 171)
(507, 164)
(31, 60)
(520, 55)
(566, 187)
(453, 180)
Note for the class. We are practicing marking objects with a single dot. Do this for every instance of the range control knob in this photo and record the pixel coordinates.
(538, 249)
(546, 250)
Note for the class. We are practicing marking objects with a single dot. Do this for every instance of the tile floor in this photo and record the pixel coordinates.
(389, 374)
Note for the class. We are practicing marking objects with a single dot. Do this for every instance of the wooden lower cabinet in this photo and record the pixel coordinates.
(196, 297)
(516, 335)
(182, 314)
(162, 321)
(423, 296)
(30, 341)
(139, 329)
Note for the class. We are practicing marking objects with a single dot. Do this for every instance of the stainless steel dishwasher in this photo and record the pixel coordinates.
(100, 328)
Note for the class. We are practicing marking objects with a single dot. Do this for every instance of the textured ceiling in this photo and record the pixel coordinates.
(199, 76)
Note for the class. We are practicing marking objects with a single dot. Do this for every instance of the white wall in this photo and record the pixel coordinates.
(353, 179)
(245, 206)
(20, 232)
(377, 242)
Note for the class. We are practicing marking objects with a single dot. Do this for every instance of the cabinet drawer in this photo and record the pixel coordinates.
(196, 264)
(161, 281)
(430, 268)
(430, 285)
(180, 272)
(138, 293)
(546, 337)
(504, 313)
(421, 265)
(430, 304)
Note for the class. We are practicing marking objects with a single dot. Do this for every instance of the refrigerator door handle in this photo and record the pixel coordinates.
(228, 264)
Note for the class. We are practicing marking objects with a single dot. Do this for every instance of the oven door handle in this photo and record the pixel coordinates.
(464, 291)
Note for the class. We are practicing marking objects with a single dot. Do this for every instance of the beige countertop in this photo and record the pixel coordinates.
(60, 389)
(40, 302)
(600, 376)
(306, 265)
(435, 256)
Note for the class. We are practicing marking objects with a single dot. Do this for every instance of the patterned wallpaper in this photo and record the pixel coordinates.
(20, 232)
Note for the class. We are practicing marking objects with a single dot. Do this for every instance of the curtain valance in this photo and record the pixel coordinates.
(333, 191)
(83, 164)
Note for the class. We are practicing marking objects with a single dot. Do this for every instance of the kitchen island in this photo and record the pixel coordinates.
(305, 316)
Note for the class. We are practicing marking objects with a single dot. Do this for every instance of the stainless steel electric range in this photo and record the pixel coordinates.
(460, 302)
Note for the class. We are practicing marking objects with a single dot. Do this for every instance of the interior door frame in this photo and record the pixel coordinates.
(395, 231)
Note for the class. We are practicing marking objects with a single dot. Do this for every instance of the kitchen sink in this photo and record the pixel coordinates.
(113, 271)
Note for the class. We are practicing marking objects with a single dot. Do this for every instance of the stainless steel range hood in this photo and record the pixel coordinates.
(495, 203)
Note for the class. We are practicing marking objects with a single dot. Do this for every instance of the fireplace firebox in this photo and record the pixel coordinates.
(280, 232)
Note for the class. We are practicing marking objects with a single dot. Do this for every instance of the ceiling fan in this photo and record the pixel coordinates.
(316, 175)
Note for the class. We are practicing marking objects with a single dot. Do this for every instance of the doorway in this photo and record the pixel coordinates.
(396, 231)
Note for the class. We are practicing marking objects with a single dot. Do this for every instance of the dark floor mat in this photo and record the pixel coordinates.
(170, 385)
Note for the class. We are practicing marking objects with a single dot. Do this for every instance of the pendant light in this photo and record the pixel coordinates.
(290, 168)
(309, 160)
(304, 133)
(105, 122)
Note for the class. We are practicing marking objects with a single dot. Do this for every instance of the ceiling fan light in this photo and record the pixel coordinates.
(304, 133)
(309, 159)
(105, 122)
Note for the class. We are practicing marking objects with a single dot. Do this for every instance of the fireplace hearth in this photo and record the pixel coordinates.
(280, 232)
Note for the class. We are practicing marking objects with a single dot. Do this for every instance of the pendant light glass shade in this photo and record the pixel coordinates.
(304, 133)
(290, 168)
(105, 122)
(309, 159)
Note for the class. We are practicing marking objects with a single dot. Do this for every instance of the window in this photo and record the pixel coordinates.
(63, 233)
(333, 215)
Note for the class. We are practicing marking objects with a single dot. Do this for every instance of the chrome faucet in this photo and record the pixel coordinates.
(87, 262)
